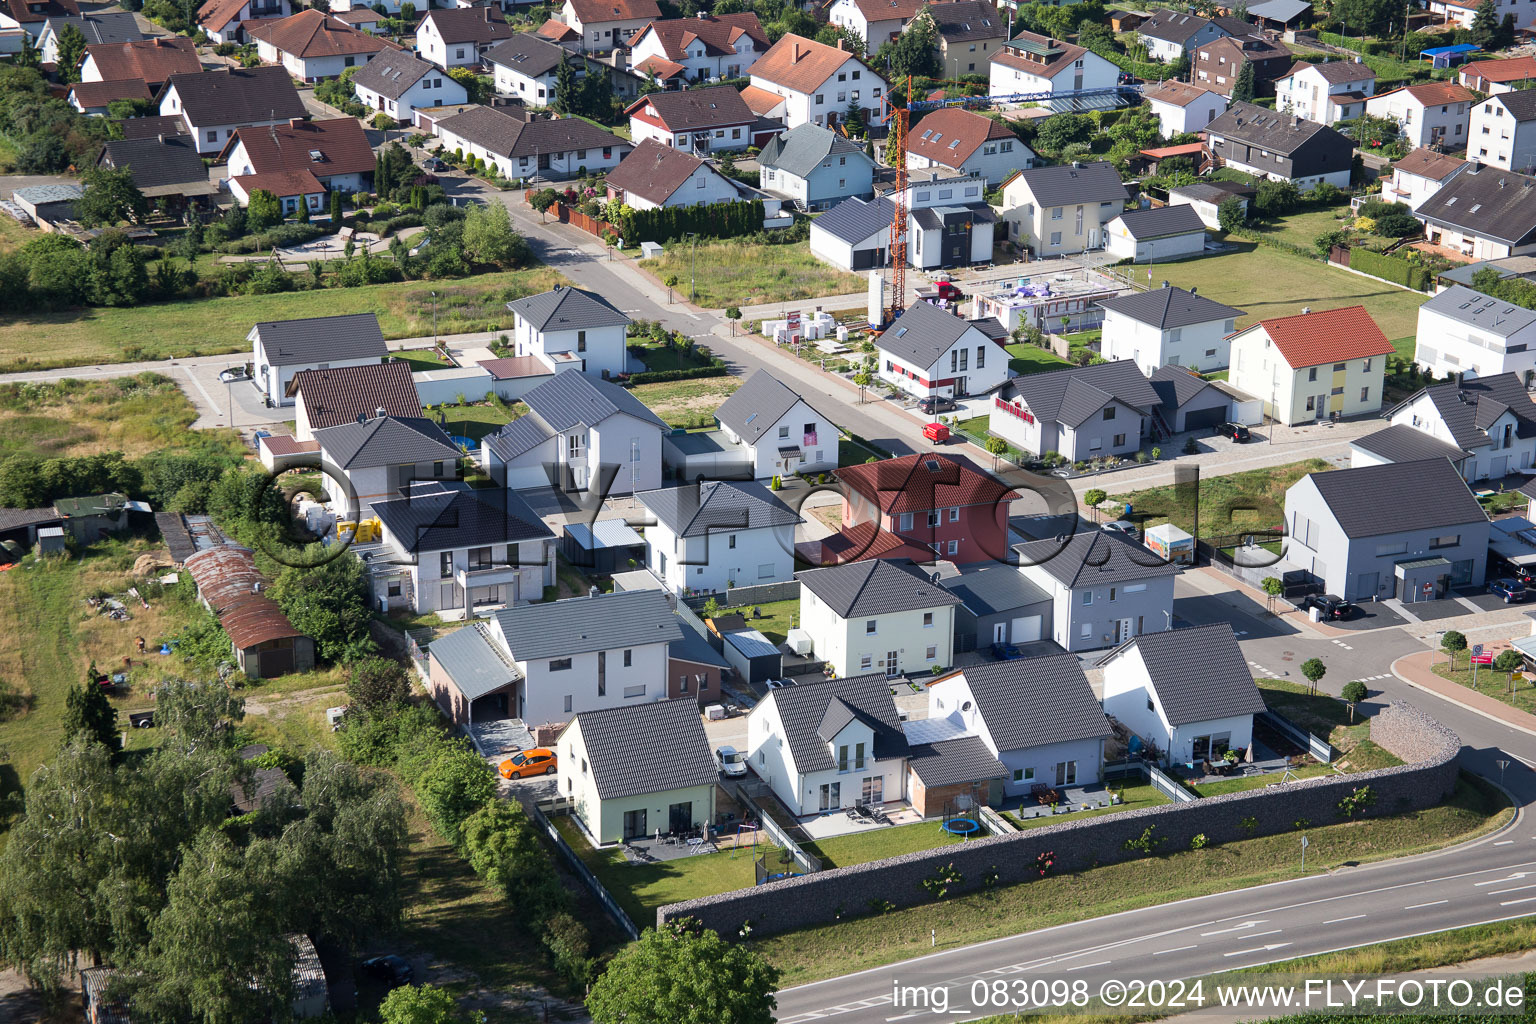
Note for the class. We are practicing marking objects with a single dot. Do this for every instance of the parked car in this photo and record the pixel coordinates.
(1512, 591)
(1006, 652)
(432, 163)
(1509, 570)
(534, 761)
(731, 761)
(396, 970)
(1234, 432)
(1124, 527)
(233, 375)
(934, 404)
(1328, 605)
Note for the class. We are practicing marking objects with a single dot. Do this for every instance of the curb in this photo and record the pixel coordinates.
(1460, 704)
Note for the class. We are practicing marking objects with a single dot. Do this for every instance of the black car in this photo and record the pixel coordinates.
(1512, 591)
(1328, 605)
(936, 404)
(394, 969)
(1509, 570)
(1006, 652)
(1234, 432)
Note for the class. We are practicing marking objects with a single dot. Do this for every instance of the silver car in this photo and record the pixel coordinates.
(731, 761)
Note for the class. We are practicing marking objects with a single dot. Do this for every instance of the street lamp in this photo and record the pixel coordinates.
(693, 262)
(434, 319)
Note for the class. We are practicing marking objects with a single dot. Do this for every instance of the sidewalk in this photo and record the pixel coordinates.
(1417, 670)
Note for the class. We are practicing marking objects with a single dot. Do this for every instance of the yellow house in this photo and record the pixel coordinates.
(1312, 366)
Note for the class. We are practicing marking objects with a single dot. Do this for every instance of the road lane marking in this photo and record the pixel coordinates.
(1432, 903)
(1504, 842)
(1180, 949)
(1517, 888)
(1517, 876)
(1514, 903)
(1340, 920)
(1234, 928)
(1084, 967)
(1257, 949)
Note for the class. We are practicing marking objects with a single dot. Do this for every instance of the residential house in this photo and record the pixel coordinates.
(1280, 15)
(215, 104)
(1030, 64)
(1062, 208)
(559, 32)
(292, 189)
(604, 25)
(166, 168)
(1157, 233)
(1170, 34)
(458, 550)
(1105, 589)
(1401, 442)
(1189, 401)
(151, 127)
(815, 167)
(1219, 63)
(580, 434)
(551, 148)
(224, 21)
(1498, 76)
(1503, 131)
(928, 351)
(655, 175)
(151, 61)
(1420, 175)
(1184, 107)
(391, 7)
(527, 66)
(1168, 326)
(1206, 197)
(1484, 212)
(960, 141)
(717, 535)
(782, 433)
(311, 46)
(1281, 147)
(1083, 412)
(999, 606)
(704, 46)
(1312, 366)
(1037, 716)
(824, 746)
(1464, 333)
(361, 18)
(696, 121)
(818, 83)
(119, 27)
(878, 615)
(1489, 419)
(694, 669)
(922, 506)
(281, 348)
(336, 152)
(1326, 93)
(329, 397)
(1431, 114)
(874, 21)
(1461, 13)
(95, 99)
(381, 458)
(266, 644)
(571, 329)
(29, 16)
(1187, 693)
(460, 37)
(1409, 530)
(545, 662)
(616, 795)
(855, 234)
(949, 224)
(970, 32)
(397, 83)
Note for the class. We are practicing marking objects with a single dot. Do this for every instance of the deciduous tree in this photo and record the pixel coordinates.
(672, 976)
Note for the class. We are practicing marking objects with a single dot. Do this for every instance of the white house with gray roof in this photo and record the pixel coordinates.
(999, 606)
(281, 348)
(782, 432)
(1104, 588)
(715, 535)
(928, 351)
(1062, 208)
(1326, 93)
(1503, 131)
(619, 793)
(1462, 331)
(1170, 34)
(396, 83)
(571, 329)
(1168, 326)
(815, 167)
(855, 234)
(1187, 693)
(1159, 233)
(110, 27)
(1082, 412)
(878, 615)
(380, 458)
(1491, 420)
(1400, 442)
(1484, 212)
(579, 434)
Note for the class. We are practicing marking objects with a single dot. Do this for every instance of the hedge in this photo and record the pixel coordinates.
(717, 220)
(1390, 268)
(663, 376)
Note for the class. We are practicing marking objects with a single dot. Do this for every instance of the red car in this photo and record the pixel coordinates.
(938, 433)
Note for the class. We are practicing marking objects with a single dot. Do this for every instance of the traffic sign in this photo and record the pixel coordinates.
(1482, 659)
(1477, 649)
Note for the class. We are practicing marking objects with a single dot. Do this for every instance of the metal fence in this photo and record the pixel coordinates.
(807, 863)
(736, 597)
(1131, 766)
(584, 873)
(1315, 745)
(1169, 786)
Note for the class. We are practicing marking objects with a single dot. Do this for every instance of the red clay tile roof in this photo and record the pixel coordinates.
(341, 143)
(593, 12)
(660, 68)
(281, 183)
(1426, 163)
(798, 63)
(867, 540)
(1065, 56)
(99, 94)
(1179, 94)
(340, 395)
(1516, 69)
(718, 34)
(936, 135)
(215, 14)
(1331, 336)
(152, 61)
(653, 171)
(1164, 152)
(21, 10)
(1431, 93)
(916, 483)
(313, 34)
(559, 31)
(760, 101)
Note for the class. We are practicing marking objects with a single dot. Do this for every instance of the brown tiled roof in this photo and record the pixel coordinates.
(660, 68)
(341, 144)
(916, 483)
(695, 109)
(1330, 336)
(559, 31)
(1431, 93)
(281, 183)
(362, 16)
(592, 12)
(718, 34)
(798, 63)
(889, 10)
(99, 94)
(313, 34)
(215, 14)
(1516, 69)
(1426, 163)
(1179, 94)
(470, 24)
(1064, 55)
(653, 171)
(21, 10)
(151, 61)
(935, 136)
(760, 101)
(284, 444)
(1335, 72)
(341, 394)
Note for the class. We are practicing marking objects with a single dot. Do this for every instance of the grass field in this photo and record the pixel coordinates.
(422, 359)
(1320, 714)
(733, 274)
(207, 326)
(878, 844)
(473, 421)
(869, 941)
(1490, 683)
(1028, 358)
(687, 403)
(777, 618)
(1250, 500)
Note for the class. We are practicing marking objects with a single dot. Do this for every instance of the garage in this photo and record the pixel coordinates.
(998, 605)
(1196, 419)
(1026, 628)
(1188, 401)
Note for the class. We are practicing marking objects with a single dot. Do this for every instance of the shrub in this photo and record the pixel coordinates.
(661, 376)
(1354, 692)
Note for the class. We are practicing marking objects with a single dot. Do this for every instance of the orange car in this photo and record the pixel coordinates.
(534, 761)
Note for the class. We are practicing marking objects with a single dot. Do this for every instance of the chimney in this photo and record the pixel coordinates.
(794, 56)
(379, 412)
(361, 418)
(840, 43)
(1165, 284)
(593, 592)
(1305, 310)
(295, 122)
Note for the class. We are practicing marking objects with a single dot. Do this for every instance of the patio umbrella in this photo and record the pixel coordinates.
(1248, 755)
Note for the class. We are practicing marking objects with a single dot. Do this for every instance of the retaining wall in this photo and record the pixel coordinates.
(1427, 779)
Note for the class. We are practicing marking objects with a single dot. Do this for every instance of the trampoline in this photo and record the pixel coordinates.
(962, 827)
(962, 817)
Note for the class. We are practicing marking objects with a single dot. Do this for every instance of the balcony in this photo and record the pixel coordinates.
(486, 575)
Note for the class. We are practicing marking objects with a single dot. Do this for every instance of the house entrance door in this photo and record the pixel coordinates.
(891, 660)
(1123, 630)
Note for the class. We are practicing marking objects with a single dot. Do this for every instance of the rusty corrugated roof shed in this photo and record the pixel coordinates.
(228, 580)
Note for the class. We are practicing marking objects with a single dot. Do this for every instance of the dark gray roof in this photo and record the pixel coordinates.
(528, 54)
(1402, 443)
(876, 586)
(1093, 558)
(435, 517)
(1396, 497)
(803, 708)
(393, 72)
(174, 532)
(694, 648)
(1470, 407)
(992, 327)
(506, 135)
(568, 399)
(1072, 395)
(1034, 701)
(1162, 221)
(322, 339)
(1174, 26)
(1069, 184)
(838, 714)
(107, 27)
(567, 309)
(617, 741)
(993, 589)
(154, 162)
(854, 220)
(1215, 191)
(696, 509)
(1264, 129)
(946, 762)
(1488, 314)
(1176, 386)
(15, 518)
(1337, 72)
(580, 624)
(520, 436)
(801, 150)
(967, 21)
(758, 404)
(1521, 103)
(923, 333)
(237, 96)
(475, 662)
(386, 441)
(1164, 308)
(1198, 673)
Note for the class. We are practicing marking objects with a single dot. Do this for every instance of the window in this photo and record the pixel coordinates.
(581, 341)
(682, 683)
(634, 691)
(1056, 213)
(1086, 632)
(1449, 540)
(437, 469)
(1023, 774)
(1055, 237)
(933, 517)
(931, 653)
(954, 514)
(567, 703)
(1109, 412)
(445, 564)
(954, 547)
(1365, 394)
(1119, 441)
(869, 627)
(394, 588)
(629, 658)
(1383, 550)
(733, 540)
(765, 571)
(1112, 593)
(819, 99)
(1338, 367)
(1149, 704)
(1087, 597)
(1312, 374)
(1366, 364)
(906, 521)
(560, 665)
(1311, 403)
(1336, 391)
(213, 135)
(602, 687)
(459, 53)
(866, 662)
(927, 620)
(783, 432)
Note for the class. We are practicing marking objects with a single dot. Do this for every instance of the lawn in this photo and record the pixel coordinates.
(659, 356)
(878, 844)
(1251, 500)
(981, 426)
(1247, 782)
(1303, 226)
(865, 942)
(687, 403)
(1489, 683)
(774, 619)
(1320, 714)
(1142, 794)
(1027, 358)
(851, 453)
(207, 326)
(13, 234)
(422, 359)
(736, 274)
(474, 421)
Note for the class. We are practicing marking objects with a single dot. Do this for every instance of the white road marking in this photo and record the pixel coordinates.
(1234, 928)
(1512, 903)
(201, 390)
(1517, 876)
(1084, 967)
(1180, 949)
(1517, 888)
(1340, 920)
(1432, 903)
(1504, 842)
(1257, 949)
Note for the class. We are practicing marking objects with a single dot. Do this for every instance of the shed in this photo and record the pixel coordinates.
(1169, 542)
(752, 655)
(49, 204)
(999, 605)
(265, 643)
(21, 525)
(90, 518)
(50, 540)
(605, 547)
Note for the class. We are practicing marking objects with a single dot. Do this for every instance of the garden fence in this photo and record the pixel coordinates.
(565, 215)
(1169, 786)
(737, 597)
(807, 863)
(584, 873)
(1316, 746)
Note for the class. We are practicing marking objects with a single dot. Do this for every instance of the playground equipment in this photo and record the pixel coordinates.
(962, 817)
(773, 864)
